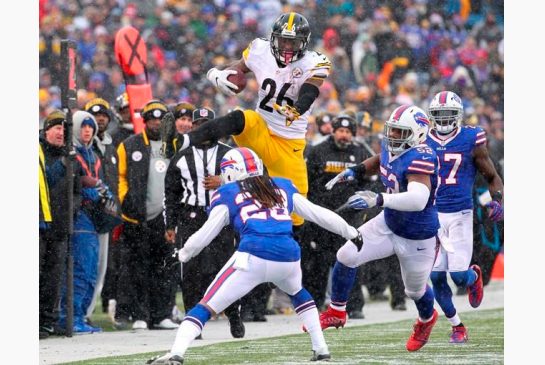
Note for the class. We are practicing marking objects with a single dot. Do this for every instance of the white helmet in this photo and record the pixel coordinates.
(240, 163)
(446, 112)
(412, 123)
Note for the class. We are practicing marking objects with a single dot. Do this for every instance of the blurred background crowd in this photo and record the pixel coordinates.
(384, 53)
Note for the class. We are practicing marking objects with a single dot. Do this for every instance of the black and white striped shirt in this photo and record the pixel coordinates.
(184, 180)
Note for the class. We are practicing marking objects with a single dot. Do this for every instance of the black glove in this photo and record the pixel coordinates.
(168, 132)
(358, 241)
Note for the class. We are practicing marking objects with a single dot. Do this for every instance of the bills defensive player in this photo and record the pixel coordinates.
(461, 151)
(289, 77)
(258, 207)
(408, 225)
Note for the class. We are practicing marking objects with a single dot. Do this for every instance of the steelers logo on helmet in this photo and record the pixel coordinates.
(154, 110)
(290, 36)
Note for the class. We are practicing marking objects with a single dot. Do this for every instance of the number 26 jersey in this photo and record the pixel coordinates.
(281, 85)
(265, 233)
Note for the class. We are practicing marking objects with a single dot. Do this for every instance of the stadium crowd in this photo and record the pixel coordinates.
(383, 54)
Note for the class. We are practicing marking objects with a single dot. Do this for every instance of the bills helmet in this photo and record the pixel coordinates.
(289, 37)
(407, 127)
(446, 112)
(240, 163)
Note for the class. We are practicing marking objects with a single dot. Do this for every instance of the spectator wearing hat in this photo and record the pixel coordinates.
(125, 128)
(53, 237)
(192, 178)
(144, 284)
(105, 150)
(96, 197)
(323, 122)
(319, 247)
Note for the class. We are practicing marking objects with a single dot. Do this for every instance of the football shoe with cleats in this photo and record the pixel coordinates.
(166, 359)
(459, 334)
(421, 333)
(475, 291)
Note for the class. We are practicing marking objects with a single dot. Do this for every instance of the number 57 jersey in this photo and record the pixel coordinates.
(263, 232)
(281, 85)
(456, 167)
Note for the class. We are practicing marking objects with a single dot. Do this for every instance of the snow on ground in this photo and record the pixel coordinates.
(57, 350)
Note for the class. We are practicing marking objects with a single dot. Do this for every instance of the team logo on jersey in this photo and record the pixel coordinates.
(421, 119)
(136, 156)
(297, 72)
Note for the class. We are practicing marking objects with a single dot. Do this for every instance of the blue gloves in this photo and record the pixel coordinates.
(104, 191)
(495, 211)
(346, 175)
(90, 194)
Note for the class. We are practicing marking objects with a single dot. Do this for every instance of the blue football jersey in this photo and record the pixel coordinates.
(456, 167)
(265, 233)
(420, 159)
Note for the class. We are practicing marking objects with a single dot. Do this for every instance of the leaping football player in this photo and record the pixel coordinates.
(407, 227)
(461, 151)
(289, 76)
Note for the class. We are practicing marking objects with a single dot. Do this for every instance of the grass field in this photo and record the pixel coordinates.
(370, 344)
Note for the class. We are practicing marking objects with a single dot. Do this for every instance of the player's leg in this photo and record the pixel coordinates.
(461, 240)
(229, 285)
(288, 277)
(416, 259)
(376, 245)
(282, 157)
(230, 124)
(463, 275)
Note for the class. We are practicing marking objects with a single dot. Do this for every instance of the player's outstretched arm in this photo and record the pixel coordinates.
(495, 185)
(323, 217)
(219, 218)
(369, 167)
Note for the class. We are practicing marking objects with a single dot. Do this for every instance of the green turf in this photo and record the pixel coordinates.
(369, 344)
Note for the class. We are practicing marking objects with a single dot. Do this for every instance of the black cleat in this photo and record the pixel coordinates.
(237, 327)
(321, 357)
(166, 360)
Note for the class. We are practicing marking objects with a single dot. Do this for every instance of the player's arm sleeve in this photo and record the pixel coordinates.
(323, 217)
(218, 218)
(413, 200)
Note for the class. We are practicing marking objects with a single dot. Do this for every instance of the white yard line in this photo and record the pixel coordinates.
(57, 350)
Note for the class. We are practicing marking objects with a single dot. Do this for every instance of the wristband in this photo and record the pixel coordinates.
(380, 200)
(359, 171)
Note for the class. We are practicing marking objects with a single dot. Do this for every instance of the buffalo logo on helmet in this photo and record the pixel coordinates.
(421, 119)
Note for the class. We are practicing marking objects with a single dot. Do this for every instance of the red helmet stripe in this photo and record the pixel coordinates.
(443, 97)
(399, 111)
(249, 160)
